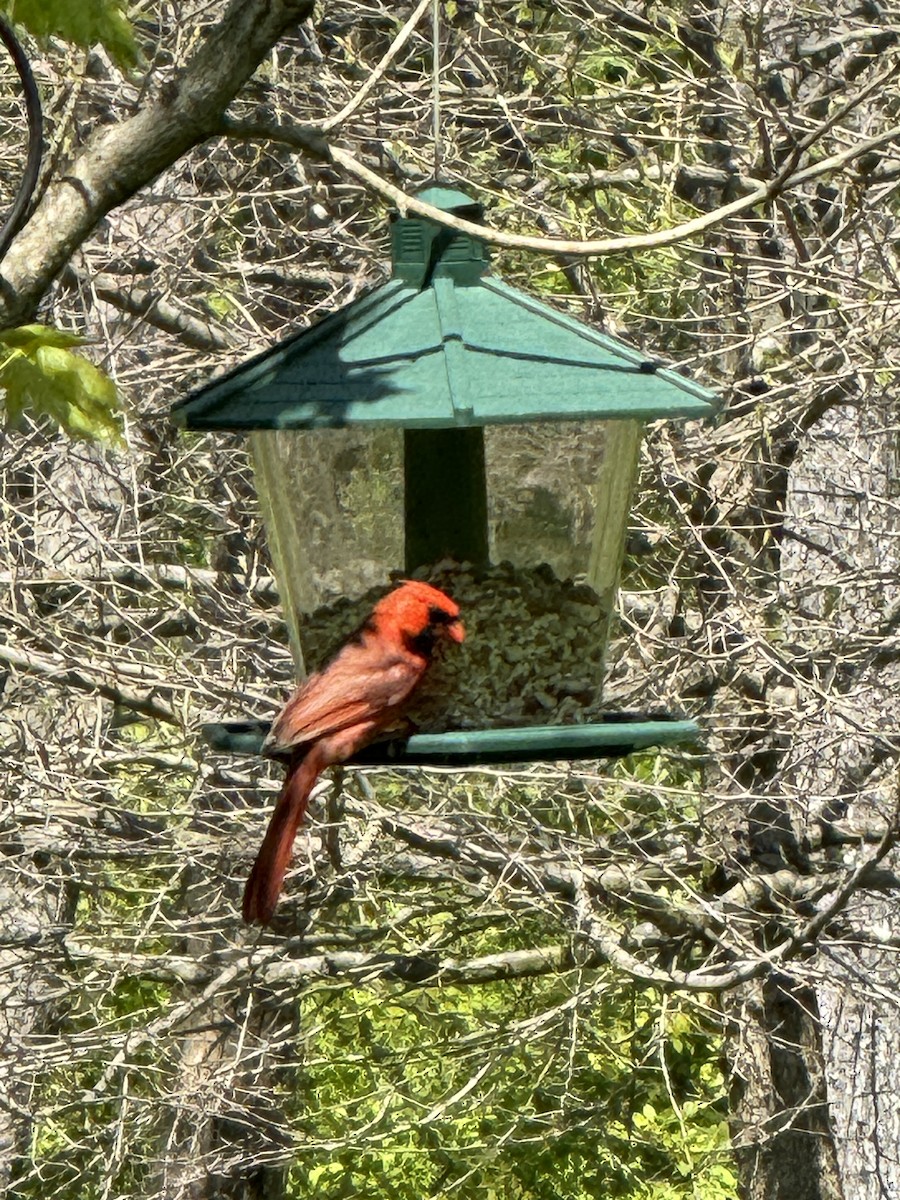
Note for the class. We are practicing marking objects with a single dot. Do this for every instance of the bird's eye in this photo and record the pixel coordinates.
(439, 616)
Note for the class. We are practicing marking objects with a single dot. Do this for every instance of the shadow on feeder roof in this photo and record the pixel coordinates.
(442, 345)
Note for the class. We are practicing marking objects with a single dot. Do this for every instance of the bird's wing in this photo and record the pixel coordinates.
(364, 683)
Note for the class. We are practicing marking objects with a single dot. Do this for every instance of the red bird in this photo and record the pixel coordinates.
(340, 709)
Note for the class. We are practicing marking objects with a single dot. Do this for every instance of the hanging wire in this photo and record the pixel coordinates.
(436, 86)
(17, 213)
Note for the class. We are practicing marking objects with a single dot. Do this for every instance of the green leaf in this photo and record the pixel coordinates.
(84, 23)
(40, 375)
(30, 337)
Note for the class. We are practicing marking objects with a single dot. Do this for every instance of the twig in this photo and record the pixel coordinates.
(156, 309)
(86, 679)
(393, 50)
(303, 138)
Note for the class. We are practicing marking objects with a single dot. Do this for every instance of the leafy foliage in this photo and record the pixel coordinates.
(511, 1090)
(84, 23)
(43, 378)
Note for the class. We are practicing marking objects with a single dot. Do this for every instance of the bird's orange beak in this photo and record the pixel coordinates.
(456, 630)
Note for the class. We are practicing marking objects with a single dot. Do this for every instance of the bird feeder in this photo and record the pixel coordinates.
(445, 415)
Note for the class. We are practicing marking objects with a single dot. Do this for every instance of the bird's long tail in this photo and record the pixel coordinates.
(264, 885)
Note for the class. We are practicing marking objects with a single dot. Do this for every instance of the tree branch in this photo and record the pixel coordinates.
(84, 679)
(310, 142)
(119, 160)
(155, 308)
(146, 577)
(378, 71)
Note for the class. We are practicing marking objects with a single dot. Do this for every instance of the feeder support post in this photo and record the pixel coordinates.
(613, 495)
(445, 506)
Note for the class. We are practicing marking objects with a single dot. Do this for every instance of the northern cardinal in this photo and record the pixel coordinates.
(340, 709)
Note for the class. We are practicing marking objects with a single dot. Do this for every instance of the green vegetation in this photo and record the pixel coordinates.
(551, 1088)
(84, 23)
(571, 1086)
(41, 376)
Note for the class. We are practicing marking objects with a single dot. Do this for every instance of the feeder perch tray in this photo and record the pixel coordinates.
(617, 735)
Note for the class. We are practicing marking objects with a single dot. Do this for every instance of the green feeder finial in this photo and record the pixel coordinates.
(444, 344)
(421, 250)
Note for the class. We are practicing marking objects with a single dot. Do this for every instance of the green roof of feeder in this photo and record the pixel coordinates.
(443, 344)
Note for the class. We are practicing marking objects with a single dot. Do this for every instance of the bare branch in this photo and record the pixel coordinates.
(311, 143)
(92, 680)
(119, 160)
(159, 310)
(377, 72)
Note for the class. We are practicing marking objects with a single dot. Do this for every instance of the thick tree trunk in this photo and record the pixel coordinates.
(225, 1139)
(843, 498)
(780, 1117)
(860, 1039)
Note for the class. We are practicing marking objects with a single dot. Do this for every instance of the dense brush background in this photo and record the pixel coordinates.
(670, 977)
